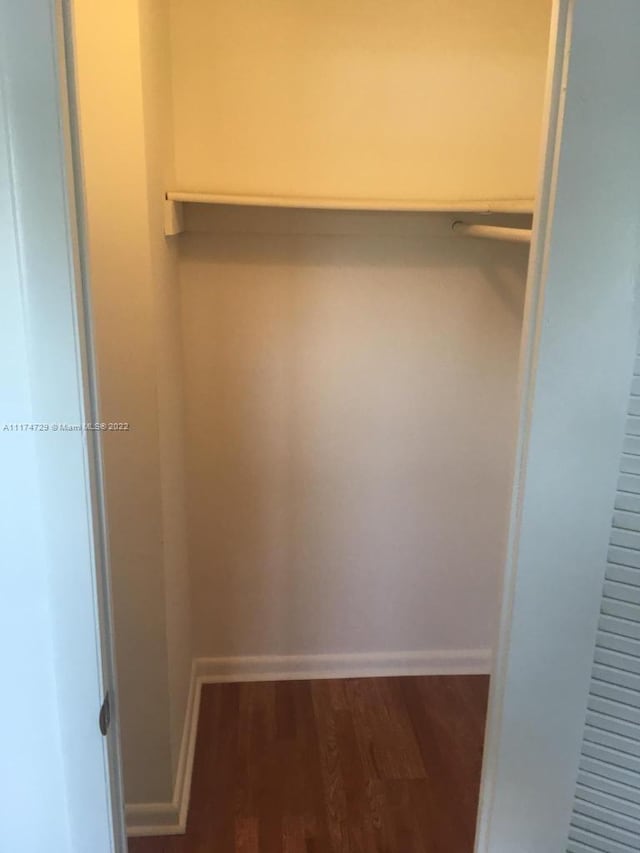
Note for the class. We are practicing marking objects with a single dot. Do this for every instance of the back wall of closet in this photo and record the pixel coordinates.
(350, 420)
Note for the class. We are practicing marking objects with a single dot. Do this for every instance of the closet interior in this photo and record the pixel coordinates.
(307, 229)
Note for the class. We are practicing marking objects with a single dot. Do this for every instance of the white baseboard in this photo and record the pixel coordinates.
(302, 667)
(171, 818)
(152, 819)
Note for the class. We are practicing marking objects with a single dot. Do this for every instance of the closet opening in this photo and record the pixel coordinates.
(308, 228)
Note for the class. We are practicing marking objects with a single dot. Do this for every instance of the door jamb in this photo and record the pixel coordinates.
(98, 512)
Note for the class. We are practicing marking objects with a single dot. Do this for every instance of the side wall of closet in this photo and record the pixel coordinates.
(322, 403)
(124, 111)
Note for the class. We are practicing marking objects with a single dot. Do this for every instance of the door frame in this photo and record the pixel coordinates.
(580, 331)
(559, 48)
(67, 494)
(533, 373)
(69, 125)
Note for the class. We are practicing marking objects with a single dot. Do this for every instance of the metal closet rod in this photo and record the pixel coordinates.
(492, 232)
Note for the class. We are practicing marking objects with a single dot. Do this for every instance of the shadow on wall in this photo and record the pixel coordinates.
(350, 425)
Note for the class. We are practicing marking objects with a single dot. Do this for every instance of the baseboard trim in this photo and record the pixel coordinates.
(303, 667)
(152, 819)
(145, 819)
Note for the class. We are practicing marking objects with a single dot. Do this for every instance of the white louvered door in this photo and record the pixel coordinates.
(606, 811)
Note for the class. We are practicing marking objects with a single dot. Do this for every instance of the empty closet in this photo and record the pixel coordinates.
(316, 369)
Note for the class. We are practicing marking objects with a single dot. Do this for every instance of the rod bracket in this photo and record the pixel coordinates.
(173, 217)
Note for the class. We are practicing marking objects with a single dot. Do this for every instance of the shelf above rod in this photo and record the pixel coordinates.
(176, 199)
(321, 203)
(492, 232)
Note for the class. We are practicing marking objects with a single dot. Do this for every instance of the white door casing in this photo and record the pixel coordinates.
(581, 322)
(51, 482)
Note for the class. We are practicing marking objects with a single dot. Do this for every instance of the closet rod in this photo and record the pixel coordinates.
(492, 232)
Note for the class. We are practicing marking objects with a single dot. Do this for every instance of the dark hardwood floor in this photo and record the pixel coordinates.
(373, 765)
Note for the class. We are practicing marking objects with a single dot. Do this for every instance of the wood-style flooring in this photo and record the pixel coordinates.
(366, 765)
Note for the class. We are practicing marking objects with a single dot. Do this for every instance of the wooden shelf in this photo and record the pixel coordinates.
(418, 205)
(176, 198)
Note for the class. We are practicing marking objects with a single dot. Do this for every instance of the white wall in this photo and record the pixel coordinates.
(350, 423)
(55, 793)
(31, 741)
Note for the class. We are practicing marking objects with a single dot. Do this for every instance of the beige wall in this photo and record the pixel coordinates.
(156, 86)
(419, 100)
(125, 125)
(350, 424)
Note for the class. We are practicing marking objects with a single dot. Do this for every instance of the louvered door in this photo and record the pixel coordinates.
(606, 812)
